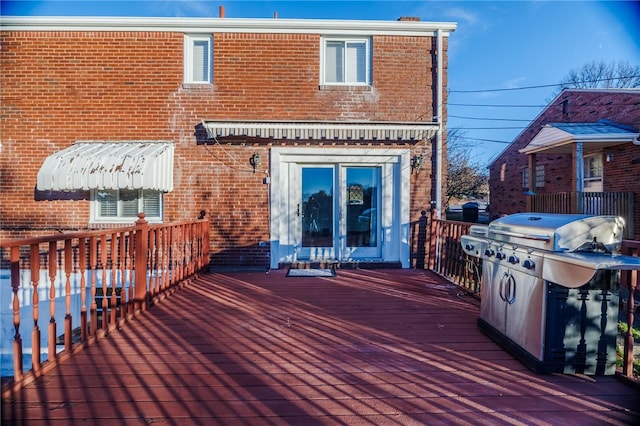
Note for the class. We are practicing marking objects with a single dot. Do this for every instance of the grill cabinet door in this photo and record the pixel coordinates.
(492, 307)
(525, 316)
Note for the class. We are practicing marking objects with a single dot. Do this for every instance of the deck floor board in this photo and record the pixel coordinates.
(384, 347)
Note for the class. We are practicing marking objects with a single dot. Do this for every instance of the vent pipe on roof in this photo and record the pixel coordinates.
(275, 15)
(221, 11)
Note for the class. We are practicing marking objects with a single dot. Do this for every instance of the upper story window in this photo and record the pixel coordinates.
(346, 61)
(115, 206)
(198, 52)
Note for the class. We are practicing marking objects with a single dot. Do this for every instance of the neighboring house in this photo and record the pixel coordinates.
(580, 155)
(302, 139)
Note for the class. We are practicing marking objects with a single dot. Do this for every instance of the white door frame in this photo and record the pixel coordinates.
(395, 193)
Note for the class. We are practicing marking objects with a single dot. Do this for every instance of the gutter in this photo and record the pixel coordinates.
(226, 25)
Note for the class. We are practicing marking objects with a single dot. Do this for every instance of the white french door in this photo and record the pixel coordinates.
(339, 204)
(337, 212)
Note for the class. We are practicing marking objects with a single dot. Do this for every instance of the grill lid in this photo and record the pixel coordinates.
(559, 232)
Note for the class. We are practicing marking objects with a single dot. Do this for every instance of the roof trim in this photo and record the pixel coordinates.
(216, 25)
(109, 165)
(312, 130)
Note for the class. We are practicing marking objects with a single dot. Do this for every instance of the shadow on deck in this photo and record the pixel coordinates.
(385, 347)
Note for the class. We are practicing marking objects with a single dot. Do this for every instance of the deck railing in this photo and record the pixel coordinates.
(446, 257)
(630, 283)
(592, 203)
(83, 285)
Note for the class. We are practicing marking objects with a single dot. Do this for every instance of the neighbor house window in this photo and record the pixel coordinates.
(198, 59)
(539, 177)
(123, 205)
(592, 169)
(346, 61)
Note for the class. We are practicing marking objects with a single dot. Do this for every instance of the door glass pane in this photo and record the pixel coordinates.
(317, 207)
(362, 206)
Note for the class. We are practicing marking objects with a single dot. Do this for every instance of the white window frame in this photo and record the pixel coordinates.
(96, 217)
(189, 42)
(345, 40)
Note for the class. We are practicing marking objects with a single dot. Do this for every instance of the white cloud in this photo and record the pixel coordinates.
(514, 83)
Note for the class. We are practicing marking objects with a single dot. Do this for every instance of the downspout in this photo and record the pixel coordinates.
(440, 131)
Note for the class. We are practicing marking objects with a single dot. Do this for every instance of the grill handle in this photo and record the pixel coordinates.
(519, 235)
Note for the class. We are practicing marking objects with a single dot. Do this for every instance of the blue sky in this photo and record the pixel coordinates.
(498, 45)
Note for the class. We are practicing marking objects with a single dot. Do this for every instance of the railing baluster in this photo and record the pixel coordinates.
(130, 263)
(93, 261)
(34, 258)
(122, 239)
(17, 338)
(103, 265)
(68, 329)
(82, 266)
(53, 262)
(114, 271)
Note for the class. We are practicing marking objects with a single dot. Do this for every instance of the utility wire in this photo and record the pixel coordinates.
(486, 128)
(497, 105)
(483, 140)
(491, 119)
(545, 85)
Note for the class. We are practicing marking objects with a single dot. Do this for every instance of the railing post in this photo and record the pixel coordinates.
(422, 240)
(627, 360)
(141, 261)
(433, 238)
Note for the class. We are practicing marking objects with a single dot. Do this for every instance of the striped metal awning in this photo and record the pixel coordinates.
(109, 165)
(311, 130)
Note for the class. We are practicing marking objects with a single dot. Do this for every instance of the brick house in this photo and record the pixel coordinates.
(302, 139)
(584, 151)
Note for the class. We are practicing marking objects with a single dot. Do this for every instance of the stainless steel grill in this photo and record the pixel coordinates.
(550, 288)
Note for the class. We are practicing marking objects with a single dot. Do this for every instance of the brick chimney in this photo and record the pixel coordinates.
(409, 18)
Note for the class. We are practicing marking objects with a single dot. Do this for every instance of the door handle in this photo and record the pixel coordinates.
(512, 290)
(501, 287)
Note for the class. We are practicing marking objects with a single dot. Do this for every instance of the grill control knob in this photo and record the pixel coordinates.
(529, 264)
(469, 247)
(489, 252)
(500, 255)
(513, 259)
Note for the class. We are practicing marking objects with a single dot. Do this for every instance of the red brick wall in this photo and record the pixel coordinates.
(62, 87)
(621, 174)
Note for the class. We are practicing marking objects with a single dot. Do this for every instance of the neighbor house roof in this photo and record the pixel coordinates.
(560, 137)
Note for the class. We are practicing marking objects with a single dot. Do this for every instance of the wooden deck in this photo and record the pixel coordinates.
(384, 347)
